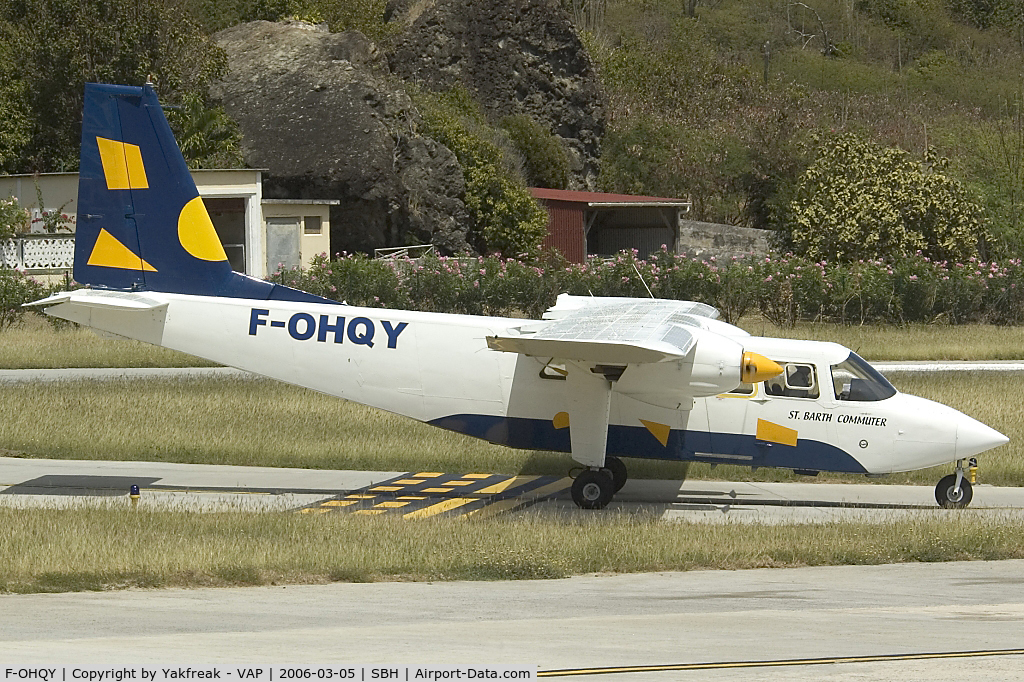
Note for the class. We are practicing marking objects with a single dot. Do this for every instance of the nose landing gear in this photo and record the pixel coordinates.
(955, 491)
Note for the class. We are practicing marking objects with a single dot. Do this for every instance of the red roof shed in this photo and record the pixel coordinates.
(581, 224)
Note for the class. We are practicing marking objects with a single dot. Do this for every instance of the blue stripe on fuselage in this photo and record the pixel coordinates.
(637, 441)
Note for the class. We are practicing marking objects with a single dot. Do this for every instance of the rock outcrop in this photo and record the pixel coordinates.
(322, 112)
(516, 56)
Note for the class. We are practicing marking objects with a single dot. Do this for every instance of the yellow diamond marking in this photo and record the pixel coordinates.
(409, 481)
(339, 503)
(428, 474)
(477, 476)
(390, 505)
(436, 490)
(387, 488)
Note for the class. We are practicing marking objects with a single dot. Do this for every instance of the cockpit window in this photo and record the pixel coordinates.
(855, 379)
(798, 380)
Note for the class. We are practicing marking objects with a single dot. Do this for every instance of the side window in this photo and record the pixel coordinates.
(743, 389)
(798, 380)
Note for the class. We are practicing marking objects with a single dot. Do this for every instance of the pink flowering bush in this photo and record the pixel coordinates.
(784, 288)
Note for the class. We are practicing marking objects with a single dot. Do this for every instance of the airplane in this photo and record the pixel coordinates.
(599, 378)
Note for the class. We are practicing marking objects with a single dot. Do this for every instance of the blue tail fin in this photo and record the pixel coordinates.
(141, 222)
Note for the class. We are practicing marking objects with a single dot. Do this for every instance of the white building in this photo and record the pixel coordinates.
(259, 235)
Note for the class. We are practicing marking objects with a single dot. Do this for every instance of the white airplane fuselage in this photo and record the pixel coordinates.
(438, 368)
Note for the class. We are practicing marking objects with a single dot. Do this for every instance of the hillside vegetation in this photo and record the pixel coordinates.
(891, 125)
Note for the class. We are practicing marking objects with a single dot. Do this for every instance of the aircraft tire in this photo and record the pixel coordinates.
(947, 499)
(593, 489)
(617, 469)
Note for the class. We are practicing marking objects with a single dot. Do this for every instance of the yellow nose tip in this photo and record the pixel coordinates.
(757, 367)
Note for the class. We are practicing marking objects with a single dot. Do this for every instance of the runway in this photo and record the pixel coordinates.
(596, 621)
(419, 495)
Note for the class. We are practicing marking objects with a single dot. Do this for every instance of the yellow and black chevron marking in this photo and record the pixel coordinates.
(430, 493)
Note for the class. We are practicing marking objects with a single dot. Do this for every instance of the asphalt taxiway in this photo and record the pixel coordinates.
(885, 616)
(416, 495)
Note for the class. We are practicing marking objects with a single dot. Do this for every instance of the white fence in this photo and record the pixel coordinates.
(38, 253)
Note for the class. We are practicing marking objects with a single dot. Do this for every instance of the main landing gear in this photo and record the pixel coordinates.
(954, 491)
(594, 488)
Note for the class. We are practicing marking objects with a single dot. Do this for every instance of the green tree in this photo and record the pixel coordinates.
(861, 200)
(55, 46)
(505, 217)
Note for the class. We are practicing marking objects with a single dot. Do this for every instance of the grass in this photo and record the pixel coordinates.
(95, 549)
(266, 423)
(909, 342)
(36, 344)
(251, 422)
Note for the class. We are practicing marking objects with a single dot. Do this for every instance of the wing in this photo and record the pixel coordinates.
(642, 331)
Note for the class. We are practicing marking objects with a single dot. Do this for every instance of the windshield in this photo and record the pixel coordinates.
(855, 379)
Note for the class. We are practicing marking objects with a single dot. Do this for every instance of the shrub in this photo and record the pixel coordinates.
(782, 288)
(13, 218)
(503, 213)
(547, 164)
(860, 200)
(16, 289)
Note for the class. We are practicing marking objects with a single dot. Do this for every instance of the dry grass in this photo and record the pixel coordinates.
(909, 342)
(89, 549)
(36, 344)
(246, 422)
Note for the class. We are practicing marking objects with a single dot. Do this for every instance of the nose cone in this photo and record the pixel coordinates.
(973, 437)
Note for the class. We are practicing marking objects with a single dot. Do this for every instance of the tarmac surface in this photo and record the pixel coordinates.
(415, 495)
(931, 622)
(727, 618)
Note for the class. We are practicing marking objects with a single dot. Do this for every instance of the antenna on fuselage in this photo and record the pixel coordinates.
(637, 271)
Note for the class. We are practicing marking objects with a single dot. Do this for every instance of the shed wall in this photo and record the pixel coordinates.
(565, 229)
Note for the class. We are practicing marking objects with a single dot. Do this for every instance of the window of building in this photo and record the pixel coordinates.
(311, 224)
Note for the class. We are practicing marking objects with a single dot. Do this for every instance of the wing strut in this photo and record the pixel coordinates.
(590, 398)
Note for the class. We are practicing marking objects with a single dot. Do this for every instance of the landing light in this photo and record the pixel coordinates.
(757, 367)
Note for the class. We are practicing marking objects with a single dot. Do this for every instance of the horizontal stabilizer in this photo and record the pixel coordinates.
(97, 299)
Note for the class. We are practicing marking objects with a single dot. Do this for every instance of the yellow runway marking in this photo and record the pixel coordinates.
(391, 505)
(436, 490)
(512, 503)
(319, 510)
(439, 508)
(339, 503)
(502, 486)
(409, 481)
(429, 474)
(368, 511)
(358, 496)
(477, 476)
(779, 663)
(459, 482)
(411, 497)
(387, 488)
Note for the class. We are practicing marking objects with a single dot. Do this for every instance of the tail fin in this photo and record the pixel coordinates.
(141, 222)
